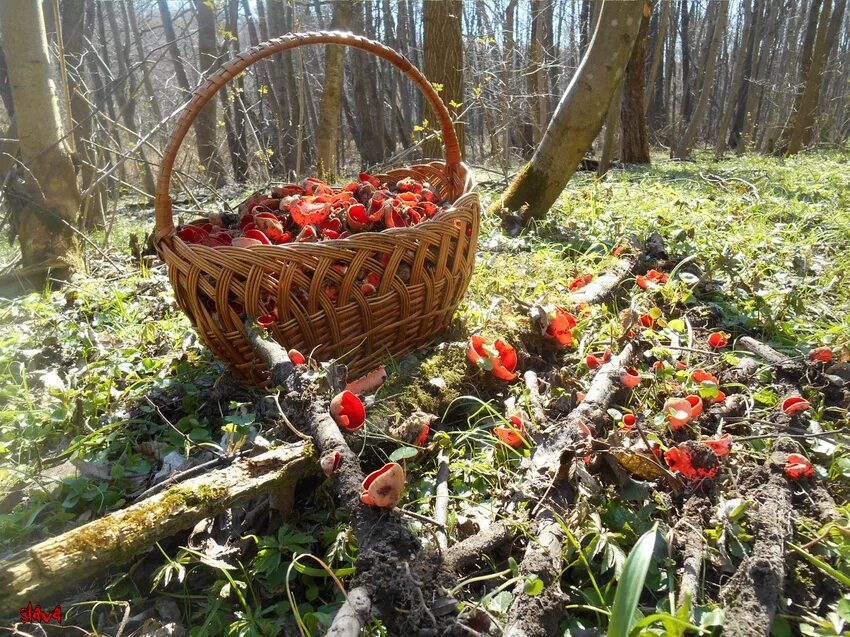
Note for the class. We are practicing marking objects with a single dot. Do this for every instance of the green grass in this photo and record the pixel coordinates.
(765, 243)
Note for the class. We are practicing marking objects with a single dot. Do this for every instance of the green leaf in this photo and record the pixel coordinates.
(533, 586)
(676, 324)
(403, 453)
(631, 584)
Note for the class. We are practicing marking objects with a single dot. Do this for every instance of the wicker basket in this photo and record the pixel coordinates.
(425, 276)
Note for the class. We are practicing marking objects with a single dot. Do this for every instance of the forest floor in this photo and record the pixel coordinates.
(105, 390)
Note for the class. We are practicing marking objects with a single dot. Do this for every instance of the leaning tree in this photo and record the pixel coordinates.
(580, 113)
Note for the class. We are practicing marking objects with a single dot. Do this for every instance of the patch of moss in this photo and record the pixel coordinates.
(412, 388)
(90, 538)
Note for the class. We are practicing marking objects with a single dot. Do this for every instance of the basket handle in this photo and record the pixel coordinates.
(206, 92)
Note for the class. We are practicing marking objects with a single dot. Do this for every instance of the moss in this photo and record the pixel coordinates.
(91, 538)
(525, 194)
(412, 388)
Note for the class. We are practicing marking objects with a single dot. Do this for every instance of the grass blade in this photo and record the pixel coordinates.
(631, 584)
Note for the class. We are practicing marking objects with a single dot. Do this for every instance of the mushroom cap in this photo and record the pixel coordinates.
(382, 488)
(795, 405)
(347, 411)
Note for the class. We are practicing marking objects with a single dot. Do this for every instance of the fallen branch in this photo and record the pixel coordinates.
(469, 551)
(532, 615)
(352, 615)
(780, 361)
(50, 566)
(690, 529)
(602, 288)
(388, 566)
(752, 595)
(441, 501)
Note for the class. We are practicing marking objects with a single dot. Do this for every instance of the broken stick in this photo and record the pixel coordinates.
(50, 566)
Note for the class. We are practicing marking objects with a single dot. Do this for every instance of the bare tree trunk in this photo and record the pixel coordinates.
(443, 48)
(48, 204)
(535, 74)
(735, 140)
(127, 94)
(205, 123)
(828, 26)
(657, 57)
(690, 133)
(580, 113)
(634, 143)
(233, 105)
(609, 141)
(173, 46)
(74, 21)
(684, 34)
(331, 105)
(130, 16)
(735, 87)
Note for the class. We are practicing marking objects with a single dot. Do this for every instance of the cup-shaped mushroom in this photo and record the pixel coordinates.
(382, 488)
(795, 405)
(630, 377)
(696, 405)
(678, 412)
(347, 411)
(330, 462)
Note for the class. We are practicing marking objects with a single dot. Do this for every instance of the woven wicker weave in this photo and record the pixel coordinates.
(423, 281)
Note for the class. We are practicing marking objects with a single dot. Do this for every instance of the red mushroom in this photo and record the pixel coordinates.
(679, 411)
(718, 339)
(795, 405)
(560, 328)
(821, 355)
(512, 436)
(296, 357)
(347, 411)
(500, 358)
(630, 377)
(382, 488)
(330, 462)
(797, 466)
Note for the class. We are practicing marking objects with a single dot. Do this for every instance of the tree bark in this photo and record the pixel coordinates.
(580, 113)
(52, 565)
(634, 143)
(827, 31)
(173, 46)
(690, 134)
(443, 49)
(736, 85)
(50, 201)
(652, 84)
(74, 21)
(206, 121)
(330, 108)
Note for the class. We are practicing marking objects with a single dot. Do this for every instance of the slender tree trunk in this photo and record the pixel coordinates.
(206, 122)
(634, 143)
(443, 48)
(173, 46)
(652, 84)
(609, 141)
(685, 35)
(828, 26)
(233, 105)
(74, 21)
(331, 105)
(690, 134)
(736, 131)
(130, 16)
(48, 205)
(127, 95)
(736, 85)
(535, 74)
(579, 116)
